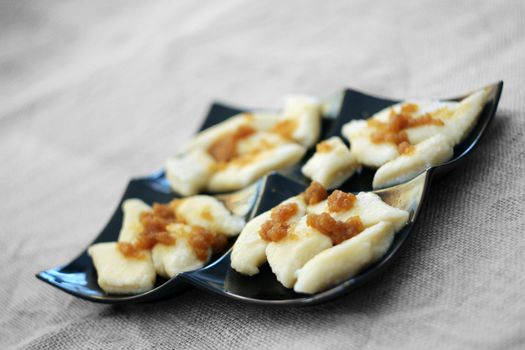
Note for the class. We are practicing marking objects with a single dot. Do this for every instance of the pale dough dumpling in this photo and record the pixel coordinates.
(288, 255)
(237, 174)
(256, 143)
(170, 260)
(131, 226)
(209, 213)
(423, 107)
(118, 274)
(304, 112)
(423, 132)
(364, 150)
(459, 119)
(249, 250)
(370, 209)
(241, 149)
(345, 260)
(257, 121)
(332, 164)
(465, 116)
(304, 115)
(428, 153)
(189, 173)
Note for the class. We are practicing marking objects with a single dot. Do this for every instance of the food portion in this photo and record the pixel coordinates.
(249, 251)
(131, 224)
(432, 151)
(209, 213)
(164, 240)
(189, 173)
(300, 120)
(238, 151)
(332, 164)
(399, 140)
(119, 274)
(304, 238)
(311, 241)
(242, 171)
(336, 264)
(290, 253)
(170, 259)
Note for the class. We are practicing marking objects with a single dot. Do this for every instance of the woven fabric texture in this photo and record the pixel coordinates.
(94, 93)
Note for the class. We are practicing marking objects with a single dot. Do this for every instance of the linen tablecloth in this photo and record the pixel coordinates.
(94, 93)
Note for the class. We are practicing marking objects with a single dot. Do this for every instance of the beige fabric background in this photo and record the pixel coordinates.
(93, 93)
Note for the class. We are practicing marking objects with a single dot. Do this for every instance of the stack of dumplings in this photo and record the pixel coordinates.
(313, 241)
(164, 240)
(400, 141)
(238, 151)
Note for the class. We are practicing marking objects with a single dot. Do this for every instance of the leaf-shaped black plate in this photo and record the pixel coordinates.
(79, 277)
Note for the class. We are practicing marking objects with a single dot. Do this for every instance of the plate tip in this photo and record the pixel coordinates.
(41, 276)
(498, 85)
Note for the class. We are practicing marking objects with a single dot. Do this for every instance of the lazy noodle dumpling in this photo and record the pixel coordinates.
(332, 164)
(364, 150)
(345, 260)
(118, 274)
(300, 120)
(458, 117)
(274, 153)
(209, 213)
(385, 136)
(433, 151)
(189, 173)
(241, 149)
(310, 244)
(131, 226)
(370, 209)
(170, 260)
(249, 250)
(288, 255)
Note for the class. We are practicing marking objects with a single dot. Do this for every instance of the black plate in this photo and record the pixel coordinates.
(79, 276)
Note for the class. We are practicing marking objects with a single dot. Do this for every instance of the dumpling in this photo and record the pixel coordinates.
(118, 274)
(209, 213)
(370, 209)
(170, 260)
(242, 172)
(332, 164)
(310, 251)
(439, 111)
(304, 242)
(459, 124)
(288, 255)
(249, 250)
(256, 143)
(364, 150)
(386, 134)
(433, 151)
(345, 260)
(241, 149)
(300, 120)
(257, 121)
(131, 226)
(167, 239)
(188, 174)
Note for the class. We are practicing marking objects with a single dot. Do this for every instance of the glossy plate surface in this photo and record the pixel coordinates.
(79, 276)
